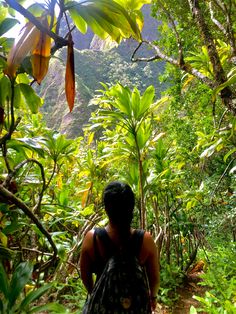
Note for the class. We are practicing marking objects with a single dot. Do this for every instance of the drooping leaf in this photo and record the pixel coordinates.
(55, 308)
(29, 143)
(32, 99)
(231, 152)
(17, 96)
(231, 80)
(34, 295)
(22, 46)
(5, 90)
(105, 17)
(19, 279)
(70, 75)
(41, 54)
(79, 21)
(7, 24)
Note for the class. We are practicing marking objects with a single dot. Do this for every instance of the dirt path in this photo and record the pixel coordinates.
(186, 293)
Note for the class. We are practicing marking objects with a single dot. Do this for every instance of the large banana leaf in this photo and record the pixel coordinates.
(105, 17)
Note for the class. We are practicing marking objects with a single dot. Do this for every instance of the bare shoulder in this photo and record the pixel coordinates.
(88, 240)
(148, 241)
(148, 248)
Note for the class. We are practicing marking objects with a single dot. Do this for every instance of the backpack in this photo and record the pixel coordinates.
(122, 287)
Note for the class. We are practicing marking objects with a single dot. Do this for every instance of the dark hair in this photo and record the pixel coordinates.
(118, 199)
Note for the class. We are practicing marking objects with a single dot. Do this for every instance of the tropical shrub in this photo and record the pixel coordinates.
(220, 280)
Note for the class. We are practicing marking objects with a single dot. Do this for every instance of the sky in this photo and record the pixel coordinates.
(14, 32)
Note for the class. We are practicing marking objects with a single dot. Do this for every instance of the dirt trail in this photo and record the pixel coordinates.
(186, 293)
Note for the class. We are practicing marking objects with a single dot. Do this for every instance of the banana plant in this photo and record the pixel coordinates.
(131, 114)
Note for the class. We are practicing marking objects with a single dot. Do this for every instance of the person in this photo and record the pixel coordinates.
(119, 201)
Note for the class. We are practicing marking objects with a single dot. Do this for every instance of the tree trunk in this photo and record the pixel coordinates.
(220, 77)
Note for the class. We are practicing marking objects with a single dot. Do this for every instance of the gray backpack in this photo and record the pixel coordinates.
(122, 287)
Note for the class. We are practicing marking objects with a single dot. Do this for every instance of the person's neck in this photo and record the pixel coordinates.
(112, 228)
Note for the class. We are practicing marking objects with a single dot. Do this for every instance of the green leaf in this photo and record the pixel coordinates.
(5, 253)
(5, 90)
(133, 4)
(34, 295)
(3, 63)
(30, 143)
(52, 307)
(192, 310)
(146, 100)
(87, 211)
(105, 17)
(3, 12)
(37, 9)
(230, 81)
(17, 96)
(4, 286)
(122, 99)
(7, 24)
(20, 277)
(232, 151)
(78, 20)
(6, 44)
(33, 101)
(135, 102)
(64, 197)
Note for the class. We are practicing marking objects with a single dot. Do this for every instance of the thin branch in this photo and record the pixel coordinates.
(7, 136)
(228, 32)
(178, 39)
(222, 117)
(8, 196)
(30, 250)
(226, 94)
(215, 21)
(4, 154)
(60, 15)
(160, 55)
(17, 168)
(222, 176)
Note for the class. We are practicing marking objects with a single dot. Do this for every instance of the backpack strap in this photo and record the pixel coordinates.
(137, 241)
(107, 243)
(104, 237)
(135, 244)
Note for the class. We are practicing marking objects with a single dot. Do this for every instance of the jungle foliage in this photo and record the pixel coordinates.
(177, 151)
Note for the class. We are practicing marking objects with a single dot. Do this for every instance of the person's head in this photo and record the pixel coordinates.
(118, 199)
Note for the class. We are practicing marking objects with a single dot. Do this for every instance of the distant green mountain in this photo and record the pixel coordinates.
(93, 66)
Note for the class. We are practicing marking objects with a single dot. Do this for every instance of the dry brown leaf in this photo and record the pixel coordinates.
(70, 74)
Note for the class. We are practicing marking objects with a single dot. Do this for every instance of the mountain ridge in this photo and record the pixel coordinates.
(92, 66)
